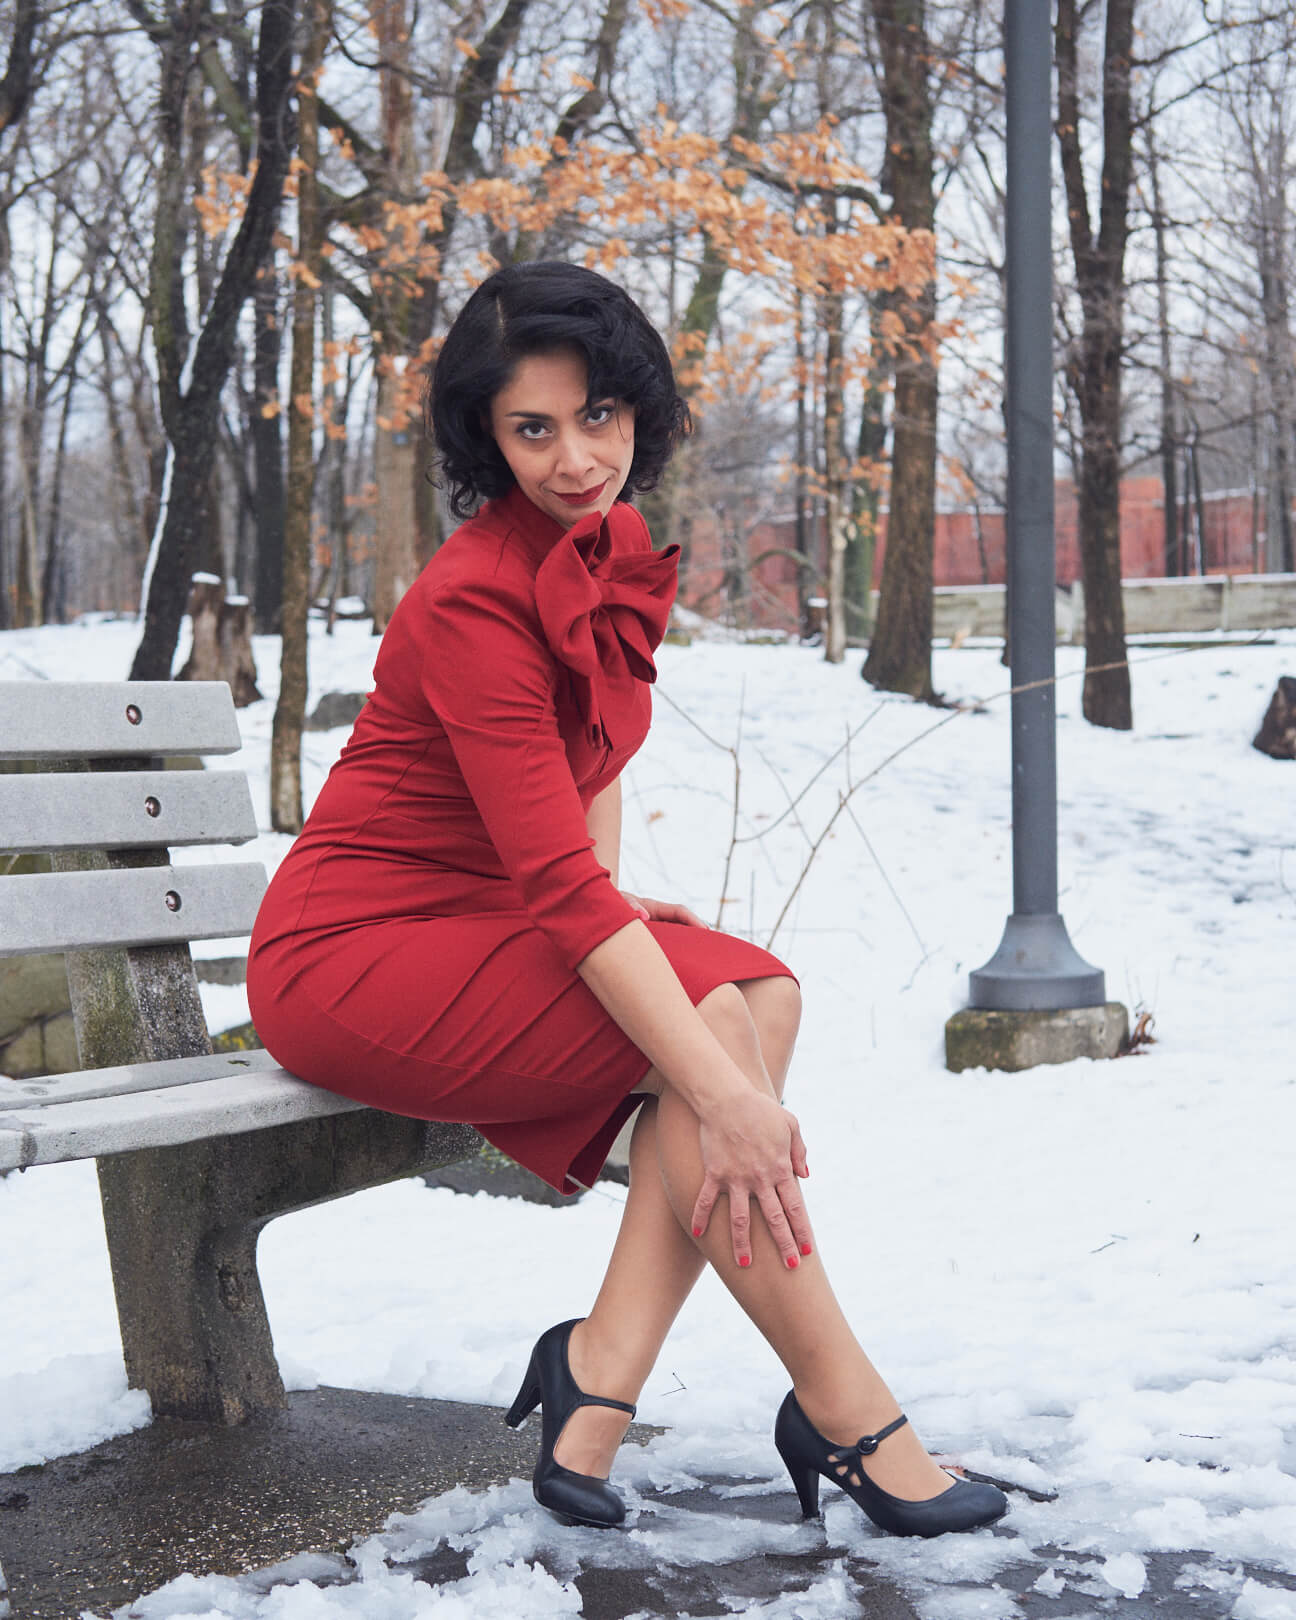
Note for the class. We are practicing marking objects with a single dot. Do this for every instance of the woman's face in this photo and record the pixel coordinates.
(569, 454)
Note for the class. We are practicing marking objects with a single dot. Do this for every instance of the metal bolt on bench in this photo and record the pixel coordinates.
(196, 1151)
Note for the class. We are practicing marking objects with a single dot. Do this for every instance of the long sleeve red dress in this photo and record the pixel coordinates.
(416, 949)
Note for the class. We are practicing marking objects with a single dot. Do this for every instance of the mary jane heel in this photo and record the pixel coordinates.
(808, 1456)
(573, 1498)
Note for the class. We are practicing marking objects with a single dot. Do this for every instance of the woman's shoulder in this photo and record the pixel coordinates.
(483, 556)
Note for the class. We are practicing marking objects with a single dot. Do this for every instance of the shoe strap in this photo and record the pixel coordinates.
(606, 1400)
(867, 1444)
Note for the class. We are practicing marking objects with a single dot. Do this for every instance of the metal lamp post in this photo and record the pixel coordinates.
(1036, 967)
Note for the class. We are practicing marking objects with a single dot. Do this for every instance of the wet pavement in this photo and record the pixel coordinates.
(94, 1531)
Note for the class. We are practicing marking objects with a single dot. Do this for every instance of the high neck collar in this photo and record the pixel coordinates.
(540, 532)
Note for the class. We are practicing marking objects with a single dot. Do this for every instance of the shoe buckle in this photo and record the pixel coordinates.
(867, 1445)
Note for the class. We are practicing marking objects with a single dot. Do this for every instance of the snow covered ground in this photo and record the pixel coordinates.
(1080, 1278)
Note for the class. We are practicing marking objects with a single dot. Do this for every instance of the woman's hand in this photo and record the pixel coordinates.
(752, 1150)
(663, 911)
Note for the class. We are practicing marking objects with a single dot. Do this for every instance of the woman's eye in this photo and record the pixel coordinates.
(531, 431)
(597, 415)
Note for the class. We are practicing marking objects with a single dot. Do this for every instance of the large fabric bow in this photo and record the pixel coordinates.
(603, 614)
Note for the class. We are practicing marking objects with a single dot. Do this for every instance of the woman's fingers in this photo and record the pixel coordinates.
(799, 1164)
(740, 1225)
(706, 1202)
(780, 1228)
(668, 911)
(691, 918)
(756, 1155)
(797, 1216)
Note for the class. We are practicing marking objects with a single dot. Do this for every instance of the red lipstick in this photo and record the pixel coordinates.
(585, 497)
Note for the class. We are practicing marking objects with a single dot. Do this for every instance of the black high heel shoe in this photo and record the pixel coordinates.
(807, 1454)
(573, 1498)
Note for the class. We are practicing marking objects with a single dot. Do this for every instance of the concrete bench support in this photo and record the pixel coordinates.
(183, 1224)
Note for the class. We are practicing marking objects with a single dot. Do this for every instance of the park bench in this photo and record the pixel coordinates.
(196, 1150)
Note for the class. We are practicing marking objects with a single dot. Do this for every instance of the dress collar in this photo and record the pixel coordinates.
(602, 612)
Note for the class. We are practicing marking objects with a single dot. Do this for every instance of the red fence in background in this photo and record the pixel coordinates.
(969, 550)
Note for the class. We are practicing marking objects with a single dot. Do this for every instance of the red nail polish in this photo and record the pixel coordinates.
(744, 1259)
(805, 1248)
(792, 1262)
(697, 1231)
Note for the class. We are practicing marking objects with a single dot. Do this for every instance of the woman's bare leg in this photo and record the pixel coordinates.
(839, 1389)
(615, 1348)
(652, 1270)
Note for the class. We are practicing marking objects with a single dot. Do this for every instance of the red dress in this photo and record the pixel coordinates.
(416, 949)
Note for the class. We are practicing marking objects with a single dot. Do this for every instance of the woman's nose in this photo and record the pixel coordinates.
(575, 456)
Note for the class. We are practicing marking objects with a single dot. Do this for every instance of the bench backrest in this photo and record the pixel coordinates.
(98, 787)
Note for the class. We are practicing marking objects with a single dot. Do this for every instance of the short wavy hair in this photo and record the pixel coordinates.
(537, 308)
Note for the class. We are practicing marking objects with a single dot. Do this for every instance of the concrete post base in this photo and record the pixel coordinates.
(978, 1039)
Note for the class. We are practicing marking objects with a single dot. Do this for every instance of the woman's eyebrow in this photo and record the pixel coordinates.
(544, 416)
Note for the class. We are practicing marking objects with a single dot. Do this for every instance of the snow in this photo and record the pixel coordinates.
(1079, 1278)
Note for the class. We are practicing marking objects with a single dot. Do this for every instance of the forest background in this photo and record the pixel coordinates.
(231, 237)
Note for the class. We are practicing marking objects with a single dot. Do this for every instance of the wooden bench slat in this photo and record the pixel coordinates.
(50, 1090)
(124, 810)
(92, 719)
(57, 911)
(95, 1126)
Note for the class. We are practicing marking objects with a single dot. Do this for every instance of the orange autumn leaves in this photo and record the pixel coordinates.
(759, 207)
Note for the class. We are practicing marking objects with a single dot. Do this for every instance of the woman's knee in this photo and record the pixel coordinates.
(729, 1019)
(775, 1008)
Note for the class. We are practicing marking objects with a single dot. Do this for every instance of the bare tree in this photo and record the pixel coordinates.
(1094, 368)
(286, 810)
(899, 656)
(190, 383)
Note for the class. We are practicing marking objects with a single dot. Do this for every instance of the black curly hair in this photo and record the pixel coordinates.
(537, 308)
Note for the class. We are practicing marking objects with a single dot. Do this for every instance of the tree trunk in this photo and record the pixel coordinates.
(54, 576)
(861, 545)
(267, 451)
(26, 594)
(395, 562)
(899, 657)
(1096, 368)
(191, 418)
(1169, 424)
(836, 482)
(127, 515)
(395, 459)
(802, 494)
(6, 605)
(286, 809)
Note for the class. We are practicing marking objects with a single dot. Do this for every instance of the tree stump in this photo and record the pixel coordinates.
(206, 598)
(1277, 734)
(222, 640)
(237, 664)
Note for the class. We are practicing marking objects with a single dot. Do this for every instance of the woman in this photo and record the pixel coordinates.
(446, 938)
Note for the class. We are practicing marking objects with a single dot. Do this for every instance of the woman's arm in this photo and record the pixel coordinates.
(603, 818)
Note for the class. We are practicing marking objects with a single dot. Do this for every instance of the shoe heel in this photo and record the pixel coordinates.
(805, 1478)
(528, 1398)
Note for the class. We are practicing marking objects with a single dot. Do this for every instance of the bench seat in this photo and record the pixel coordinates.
(148, 1105)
